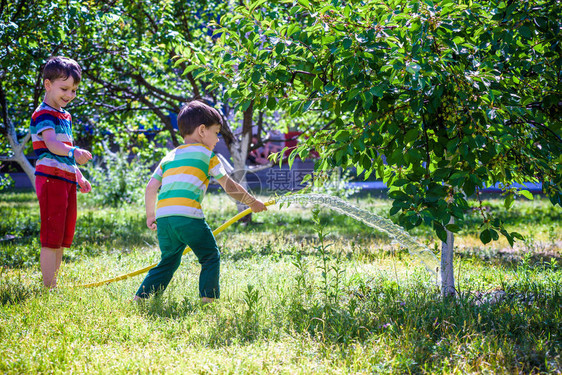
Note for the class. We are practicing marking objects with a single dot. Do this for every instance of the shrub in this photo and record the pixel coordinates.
(118, 180)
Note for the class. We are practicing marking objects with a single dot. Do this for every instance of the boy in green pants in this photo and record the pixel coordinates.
(182, 177)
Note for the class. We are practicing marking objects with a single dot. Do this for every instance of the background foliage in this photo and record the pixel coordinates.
(437, 98)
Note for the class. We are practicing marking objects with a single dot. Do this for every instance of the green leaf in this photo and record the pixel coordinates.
(485, 236)
(401, 182)
(279, 48)
(507, 236)
(452, 228)
(245, 105)
(416, 105)
(440, 231)
(458, 40)
(253, 6)
(494, 234)
(508, 203)
(525, 31)
(271, 103)
(411, 135)
(413, 68)
(189, 69)
(307, 105)
(317, 83)
(256, 76)
(527, 194)
(517, 235)
(306, 178)
(377, 91)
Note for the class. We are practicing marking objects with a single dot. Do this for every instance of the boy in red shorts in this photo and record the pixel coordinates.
(56, 173)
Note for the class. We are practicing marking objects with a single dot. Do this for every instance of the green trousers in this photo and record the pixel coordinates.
(174, 234)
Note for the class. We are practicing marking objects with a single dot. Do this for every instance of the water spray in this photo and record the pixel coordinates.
(396, 232)
(422, 253)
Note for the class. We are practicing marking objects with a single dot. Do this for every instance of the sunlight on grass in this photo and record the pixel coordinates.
(361, 305)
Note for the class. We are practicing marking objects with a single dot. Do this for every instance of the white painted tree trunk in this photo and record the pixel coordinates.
(447, 272)
(239, 154)
(19, 156)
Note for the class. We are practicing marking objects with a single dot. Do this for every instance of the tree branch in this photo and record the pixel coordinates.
(18, 10)
(142, 98)
(542, 126)
(2, 5)
(3, 110)
(140, 79)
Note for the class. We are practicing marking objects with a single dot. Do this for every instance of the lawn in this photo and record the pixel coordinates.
(303, 291)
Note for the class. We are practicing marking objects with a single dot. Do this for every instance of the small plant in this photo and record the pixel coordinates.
(331, 274)
(252, 298)
(118, 179)
(300, 278)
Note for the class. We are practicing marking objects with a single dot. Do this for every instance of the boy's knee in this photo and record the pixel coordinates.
(211, 258)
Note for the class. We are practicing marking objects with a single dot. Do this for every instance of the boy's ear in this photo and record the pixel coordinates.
(47, 84)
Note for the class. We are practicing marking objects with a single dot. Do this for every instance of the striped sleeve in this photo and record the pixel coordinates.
(216, 169)
(46, 123)
(157, 175)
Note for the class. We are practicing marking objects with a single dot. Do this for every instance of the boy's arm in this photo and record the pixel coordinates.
(84, 184)
(236, 191)
(150, 196)
(59, 148)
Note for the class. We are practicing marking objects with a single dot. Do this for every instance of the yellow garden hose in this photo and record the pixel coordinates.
(187, 249)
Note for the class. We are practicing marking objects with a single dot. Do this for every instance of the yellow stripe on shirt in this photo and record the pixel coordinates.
(178, 202)
(187, 170)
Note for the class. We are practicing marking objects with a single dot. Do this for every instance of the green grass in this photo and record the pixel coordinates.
(291, 303)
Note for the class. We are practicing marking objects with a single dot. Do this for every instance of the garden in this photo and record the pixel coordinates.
(450, 108)
(304, 291)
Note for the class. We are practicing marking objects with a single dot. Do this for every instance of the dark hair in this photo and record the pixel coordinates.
(195, 113)
(62, 67)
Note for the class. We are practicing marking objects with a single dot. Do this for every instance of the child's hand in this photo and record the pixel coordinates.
(151, 222)
(85, 186)
(258, 206)
(82, 156)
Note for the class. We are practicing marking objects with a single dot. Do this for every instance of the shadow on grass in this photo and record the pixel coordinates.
(423, 327)
(16, 288)
(509, 259)
(520, 330)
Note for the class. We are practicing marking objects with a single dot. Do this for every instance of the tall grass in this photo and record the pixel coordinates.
(302, 292)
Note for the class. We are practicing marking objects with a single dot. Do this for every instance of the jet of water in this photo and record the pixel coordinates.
(422, 253)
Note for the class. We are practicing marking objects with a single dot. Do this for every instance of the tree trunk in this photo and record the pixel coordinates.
(239, 153)
(447, 274)
(19, 157)
(17, 147)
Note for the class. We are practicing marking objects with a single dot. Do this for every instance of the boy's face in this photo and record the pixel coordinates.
(60, 92)
(210, 135)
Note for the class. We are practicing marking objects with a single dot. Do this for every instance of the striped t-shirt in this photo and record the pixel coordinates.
(184, 174)
(48, 164)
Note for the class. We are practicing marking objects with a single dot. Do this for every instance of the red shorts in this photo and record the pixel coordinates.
(57, 203)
